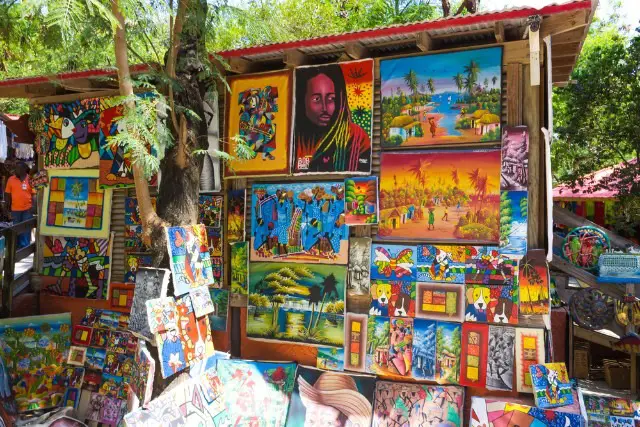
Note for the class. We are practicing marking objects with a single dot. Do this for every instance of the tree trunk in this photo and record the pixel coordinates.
(446, 8)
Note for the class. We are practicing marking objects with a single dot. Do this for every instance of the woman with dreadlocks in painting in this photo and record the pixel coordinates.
(326, 137)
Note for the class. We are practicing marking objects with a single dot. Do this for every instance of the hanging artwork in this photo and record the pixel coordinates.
(142, 378)
(236, 212)
(161, 314)
(533, 279)
(514, 208)
(393, 262)
(358, 289)
(210, 210)
(441, 263)
(433, 196)
(133, 241)
(299, 222)
(407, 404)
(486, 265)
(121, 296)
(446, 98)
(616, 421)
(294, 302)
(378, 328)
(189, 258)
(530, 350)
(424, 350)
(355, 342)
(211, 175)
(256, 392)
(400, 346)
(201, 301)
(82, 266)
(500, 357)
(259, 112)
(330, 358)
(515, 159)
(218, 319)
(361, 200)
(551, 385)
(403, 297)
(131, 211)
(151, 283)
(336, 398)
(491, 303)
(487, 412)
(39, 180)
(448, 353)
(240, 268)
(76, 206)
(440, 301)
(582, 247)
(195, 334)
(134, 262)
(95, 358)
(473, 357)
(77, 355)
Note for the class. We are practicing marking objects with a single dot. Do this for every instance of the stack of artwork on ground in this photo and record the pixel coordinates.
(488, 412)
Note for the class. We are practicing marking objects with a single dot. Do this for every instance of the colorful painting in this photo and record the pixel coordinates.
(299, 222)
(621, 421)
(77, 355)
(336, 398)
(596, 407)
(551, 385)
(358, 289)
(161, 314)
(81, 335)
(515, 159)
(440, 195)
(407, 404)
(256, 392)
(29, 345)
(445, 98)
(218, 319)
(448, 338)
(355, 342)
(217, 267)
(121, 296)
(142, 378)
(236, 213)
(259, 113)
(486, 265)
(494, 413)
(294, 302)
(378, 329)
(424, 350)
(491, 303)
(514, 212)
(76, 206)
(171, 352)
(151, 283)
(240, 268)
(85, 263)
(473, 358)
(201, 300)
(133, 262)
(361, 200)
(131, 211)
(210, 210)
(534, 283)
(39, 180)
(441, 263)
(96, 358)
(440, 301)
(393, 262)
(189, 258)
(400, 346)
(530, 350)
(330, 358)
(500, 357)
(401, 298)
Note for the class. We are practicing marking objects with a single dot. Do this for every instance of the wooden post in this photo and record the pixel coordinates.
(531, 118)
(514, 94)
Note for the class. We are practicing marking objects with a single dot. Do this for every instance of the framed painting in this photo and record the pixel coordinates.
(361, 200)
(515, 159)
(500, 358)
(389, 345)
(473, 357)
(393, 262)
(298, 303)
(491, 303)
(236, 213)
(76, 206)
(530, 350)
(131, 211)
(330, 358)
(393, 298)
(551, 385)
(333, 122)
(440, 301)
(121, 296)
(134, 262)
(486, 265)
(448, 336)
(299, 222)
(77, 355)
(534, 283)
(424, 350)
(201, 301)
(240, 268)
(258, 124)
(218, 319)
(355, 342)
(189, 258)
(441, 99)
(133, 241)
(514, 213)
(447, 196)
(210, 210)
(439, 263)
(358, 289)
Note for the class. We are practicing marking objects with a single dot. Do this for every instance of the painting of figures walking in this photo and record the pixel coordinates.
(515, 159)
(361, 200)
(432, 196)
(358, 297)
(295, 302)
(441, 99)
(299, 222)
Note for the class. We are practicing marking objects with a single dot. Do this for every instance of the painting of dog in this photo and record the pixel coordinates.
(380, 297)
(402, 303)
(478, 299)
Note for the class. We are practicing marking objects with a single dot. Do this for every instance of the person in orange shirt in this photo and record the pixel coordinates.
(19, 198)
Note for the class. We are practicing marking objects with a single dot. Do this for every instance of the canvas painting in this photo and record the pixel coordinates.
(240, 268)
(95, 358)
(441, 99)
(161, 314)
(189, 258)
(142, 379)
(77, 355)
(259, 112)
(299, 222)
(400, 346)
(530, 350)
(408, 404)
(210, 210)
(151, 283)
(299, 303)
(596, 407)
(257, 392)
(171, 352)
(491, 303)
(333, 123)
(218, 318)
(440, 301)
(133, 262)
(81, 335)
(196, 339)
(487, 412)
(433, 196)
(448, 336)
(500, 357)
(236, 213)
(621, 421)
(439, 263)
(424, 350)
(393, 298)
(393, 262)
(201, 300)
(76, 206)
(84, 263)
(515, 159)
(39, 180)
(330, 358)
(355, 342)
(534, 283)
(133, 241)
(121, 296)
(361, 200)
(486, 265)
(358, 289)
(473, 357)
(551, 385)
(131, 211)
(336, 398)
(514, 212)
(378, 334)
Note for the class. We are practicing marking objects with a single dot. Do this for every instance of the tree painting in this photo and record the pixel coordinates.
(361, 200)
(514, 208)
(447, 352)
(239, 265)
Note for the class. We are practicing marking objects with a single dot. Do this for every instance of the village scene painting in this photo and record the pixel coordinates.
(432, 196)
(448, 98)
(298, 303)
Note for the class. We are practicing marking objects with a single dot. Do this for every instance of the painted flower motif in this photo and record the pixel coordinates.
(24, 364)
(29, 332)
(64, 328)
(43, 342)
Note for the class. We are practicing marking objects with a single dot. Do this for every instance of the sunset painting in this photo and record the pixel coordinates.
(440, 196)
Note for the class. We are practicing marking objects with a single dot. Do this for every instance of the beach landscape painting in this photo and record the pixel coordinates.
(441, 99)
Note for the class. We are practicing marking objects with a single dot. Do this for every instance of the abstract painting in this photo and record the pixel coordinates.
(161, 314)
(473, 358)
(218, 319)
(355, 342)
(142, 379)
(76, 206)
(201, 301)
(621, 421)
(330, 358)
(210, 210)
(534, 283)
(500, 357)
(299, 222)
(551, 385)
(195, 333)
(333, 123)
(336, 398)
(433, 196)
(440, 301)
(236, 212)
(596, 407)
(445, 98)
(486, 265)
(441, 263)
(361, 200)
(133, 241)
(256, 392)
(151, 283)
(121, 296)
(491, 303)
(189, 257)
(393, 262)
(95, 358)
(424, 350)
(448, 353)
(259, 112)
(295, 302)
(494, 413)
(240, 268)
(358, 289)
(407, 404)
(84, 263)
(134, 262)
(530, 350)
(514, 212)
(131, 211)
(515, 159)
(400, 346)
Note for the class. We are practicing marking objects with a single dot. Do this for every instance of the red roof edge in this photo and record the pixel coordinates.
(410, 28)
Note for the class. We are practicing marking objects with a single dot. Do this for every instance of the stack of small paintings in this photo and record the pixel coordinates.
(487, 412)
